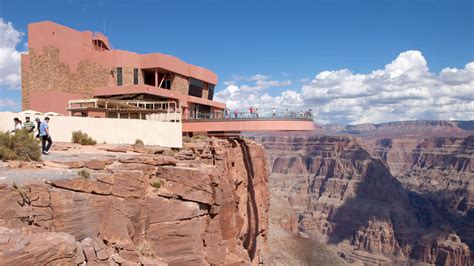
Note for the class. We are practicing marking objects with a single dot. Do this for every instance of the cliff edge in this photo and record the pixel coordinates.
(205, 204)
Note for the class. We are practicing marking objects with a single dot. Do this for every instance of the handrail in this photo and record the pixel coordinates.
(216, 116)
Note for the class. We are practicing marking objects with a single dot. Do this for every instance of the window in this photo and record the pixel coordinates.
(195, 87)
(166, 84)
(210, 95)
(135, 76)
(119, 76)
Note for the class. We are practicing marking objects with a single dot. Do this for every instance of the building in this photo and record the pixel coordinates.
(64, 65)
(78, 73)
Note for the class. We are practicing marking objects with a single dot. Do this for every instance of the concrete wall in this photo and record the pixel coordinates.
(112, 131)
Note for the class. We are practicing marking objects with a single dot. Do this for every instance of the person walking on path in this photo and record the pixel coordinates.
(29, 125)
(45, 136)
(38, 122)
(17, 125)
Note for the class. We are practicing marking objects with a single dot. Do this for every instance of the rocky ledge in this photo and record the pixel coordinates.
(205, 204)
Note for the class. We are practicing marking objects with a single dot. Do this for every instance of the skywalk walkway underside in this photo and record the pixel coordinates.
(247, 125)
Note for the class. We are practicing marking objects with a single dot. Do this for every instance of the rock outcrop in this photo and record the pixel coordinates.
(211, 209)
(375, 204)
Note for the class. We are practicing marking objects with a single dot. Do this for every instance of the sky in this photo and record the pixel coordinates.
(350, 62)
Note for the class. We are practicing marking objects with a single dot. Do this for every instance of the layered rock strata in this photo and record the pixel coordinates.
(343, 192)
(210, 208)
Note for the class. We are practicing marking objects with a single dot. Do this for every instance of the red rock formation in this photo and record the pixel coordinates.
(343, 192)
(439, 170)
(148, 209)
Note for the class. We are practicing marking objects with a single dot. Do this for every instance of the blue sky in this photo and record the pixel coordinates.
(281, 40)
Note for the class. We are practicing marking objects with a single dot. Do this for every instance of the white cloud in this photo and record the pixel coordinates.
(404, 89)
(258, 77)
(256, 94)
(7, 103)
(10, 58)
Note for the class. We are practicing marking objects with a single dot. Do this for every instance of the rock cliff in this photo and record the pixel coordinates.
(377, 200)
(206, 204)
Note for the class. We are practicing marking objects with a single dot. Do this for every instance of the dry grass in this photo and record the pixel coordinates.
(139, 143)
(19, 146)
(156, 184)
(82, 138)
(84, 173)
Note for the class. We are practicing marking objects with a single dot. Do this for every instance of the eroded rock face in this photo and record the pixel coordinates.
(343, 191)
(149, 209)
(439, 173)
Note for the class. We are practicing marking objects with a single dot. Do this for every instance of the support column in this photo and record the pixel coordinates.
(156, 77)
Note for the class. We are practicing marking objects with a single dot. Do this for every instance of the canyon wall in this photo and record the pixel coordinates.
(378, 199)
(204, 205)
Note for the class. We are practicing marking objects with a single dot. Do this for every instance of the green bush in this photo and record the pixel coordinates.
(84, 173)
(156, 184)
(21, 145)
(82, 138)
(139, 142)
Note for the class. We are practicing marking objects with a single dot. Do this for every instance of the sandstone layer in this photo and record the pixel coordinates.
(206, 204)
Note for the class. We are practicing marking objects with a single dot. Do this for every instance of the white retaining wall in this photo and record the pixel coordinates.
(109, 130)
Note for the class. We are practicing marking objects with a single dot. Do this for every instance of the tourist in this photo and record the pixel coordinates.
(274, 111)
(310, 113)
(236, 113)
(29, 125)
(17, 126)
(251, 111)
(286, 112)
(45, 137)
(38, 122)
(256, 112)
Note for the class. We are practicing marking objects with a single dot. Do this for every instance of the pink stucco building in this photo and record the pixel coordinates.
(65, 65)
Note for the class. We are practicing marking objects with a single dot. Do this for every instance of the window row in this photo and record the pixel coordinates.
(196, 87)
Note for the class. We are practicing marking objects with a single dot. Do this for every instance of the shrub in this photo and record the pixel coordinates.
(82, 138)
(19, 146)
(200, 137)
(169, 152)
(156, 184)
(139, 142)
(84, 173)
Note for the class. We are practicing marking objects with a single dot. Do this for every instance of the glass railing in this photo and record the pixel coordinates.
(290, 115)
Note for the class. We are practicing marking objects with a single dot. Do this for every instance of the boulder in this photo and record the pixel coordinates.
(17, 248)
